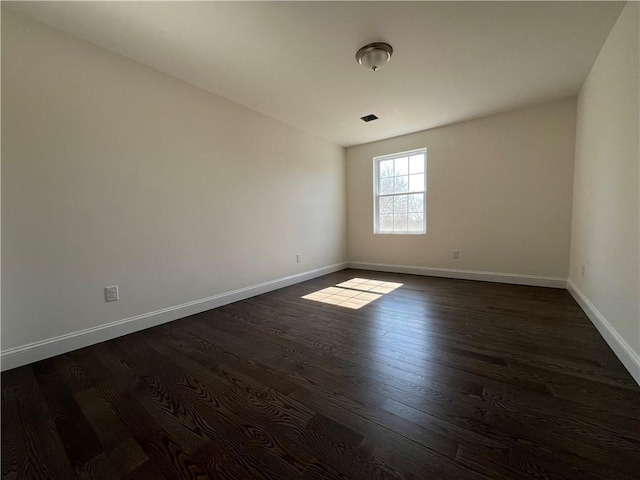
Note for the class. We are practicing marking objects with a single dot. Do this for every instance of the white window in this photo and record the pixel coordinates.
(400, 193)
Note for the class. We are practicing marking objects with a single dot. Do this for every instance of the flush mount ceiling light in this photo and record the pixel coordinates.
(374, 55)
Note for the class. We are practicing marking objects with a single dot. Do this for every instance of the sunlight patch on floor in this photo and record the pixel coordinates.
(354, 293)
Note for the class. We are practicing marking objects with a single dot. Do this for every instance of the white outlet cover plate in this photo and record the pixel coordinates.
(111, 293)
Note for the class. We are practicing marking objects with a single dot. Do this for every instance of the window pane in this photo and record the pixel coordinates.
(386, 185)
(386, 168)
(416, 222)
(416, 163)
(415, 203)
(402, 166)
(400, 204)
(386, 206)
(400, 223)
(401, 184)
(416, 182)
(386, 223)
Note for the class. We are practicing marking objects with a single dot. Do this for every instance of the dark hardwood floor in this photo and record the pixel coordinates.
(436, 379)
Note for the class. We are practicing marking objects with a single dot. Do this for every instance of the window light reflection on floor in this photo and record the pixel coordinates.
(354, 293)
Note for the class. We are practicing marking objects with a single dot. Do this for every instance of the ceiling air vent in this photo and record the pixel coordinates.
(369, 118)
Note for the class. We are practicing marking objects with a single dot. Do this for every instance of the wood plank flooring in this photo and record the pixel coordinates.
(436, 379)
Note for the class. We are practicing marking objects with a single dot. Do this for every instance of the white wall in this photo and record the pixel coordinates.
(499, 190)
(114, 173)
(605, 232)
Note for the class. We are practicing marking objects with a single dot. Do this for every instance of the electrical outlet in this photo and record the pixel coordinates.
(298, 258)
(111, 294)
(583, 268)
(455, 254)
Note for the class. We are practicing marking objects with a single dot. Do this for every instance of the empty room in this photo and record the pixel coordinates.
(320, 240)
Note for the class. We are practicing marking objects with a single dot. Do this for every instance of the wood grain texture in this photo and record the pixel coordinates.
(439, 378)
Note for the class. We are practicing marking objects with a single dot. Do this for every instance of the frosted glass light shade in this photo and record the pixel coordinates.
(374, 56)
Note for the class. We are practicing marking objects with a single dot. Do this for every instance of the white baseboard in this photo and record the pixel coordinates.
(629, 358)
(16, 357)
(36, 351)
(513, 278)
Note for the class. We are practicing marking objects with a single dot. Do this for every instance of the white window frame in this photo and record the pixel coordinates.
(376, 192)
